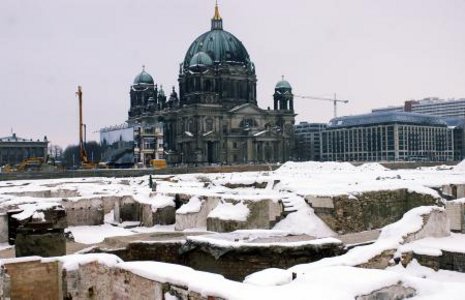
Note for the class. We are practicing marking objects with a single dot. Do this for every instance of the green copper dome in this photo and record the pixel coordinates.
(143, 78)
(283, 84)
(220, 45)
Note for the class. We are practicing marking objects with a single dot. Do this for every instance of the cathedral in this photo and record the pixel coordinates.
(215, 119)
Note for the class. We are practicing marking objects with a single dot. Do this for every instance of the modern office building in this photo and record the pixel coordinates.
(389, 136)
(13, 149)
(307, 141)
(431, 106)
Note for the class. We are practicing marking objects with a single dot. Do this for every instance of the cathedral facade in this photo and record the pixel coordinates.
(215, 119)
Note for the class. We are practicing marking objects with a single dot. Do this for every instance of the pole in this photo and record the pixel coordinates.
(335, 106)
(79, 94)
(82, 150)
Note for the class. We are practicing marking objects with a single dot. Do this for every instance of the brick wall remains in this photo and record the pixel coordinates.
(84, 211)
(34, 279)
(3, 228)
(236, 263)
(129, 286)
(89, 281)
(452, 261)
(369, 210)
(45, 244)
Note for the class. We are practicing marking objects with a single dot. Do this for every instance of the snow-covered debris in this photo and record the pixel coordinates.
(269, 277)
(72, 262)
(230, 211)
(33, 209)
(417, 270)
(304, 221)
(415, 224)
(420, 222)
(313, 166)
(433, 246)
(369, 167)
(96, 234)
(259, 238)
(193, 206)
(460, 166)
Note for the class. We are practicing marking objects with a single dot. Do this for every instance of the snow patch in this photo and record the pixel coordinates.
(193, 206)
(230, 211)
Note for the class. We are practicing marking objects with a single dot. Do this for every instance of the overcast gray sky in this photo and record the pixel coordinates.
(374, 53)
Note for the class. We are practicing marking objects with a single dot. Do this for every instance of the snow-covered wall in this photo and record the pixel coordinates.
(194, 213)
(456, 212)
(367, 210)
(84, 211)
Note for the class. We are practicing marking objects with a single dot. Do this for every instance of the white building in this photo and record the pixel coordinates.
(431, 106)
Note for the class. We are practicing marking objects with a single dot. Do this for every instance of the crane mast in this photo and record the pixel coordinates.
(82, 149)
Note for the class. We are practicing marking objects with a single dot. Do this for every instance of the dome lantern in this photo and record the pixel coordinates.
(217, 21)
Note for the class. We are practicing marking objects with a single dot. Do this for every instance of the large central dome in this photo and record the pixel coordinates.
(220, 45)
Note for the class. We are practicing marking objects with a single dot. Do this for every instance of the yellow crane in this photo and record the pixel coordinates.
(334, 100)
(82, 150)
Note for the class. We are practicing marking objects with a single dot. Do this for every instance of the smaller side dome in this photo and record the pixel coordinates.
(200, 60)
(143, 78)
(283, 84)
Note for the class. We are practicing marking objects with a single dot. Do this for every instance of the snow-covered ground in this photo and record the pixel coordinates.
(332, 278)
(291, 181)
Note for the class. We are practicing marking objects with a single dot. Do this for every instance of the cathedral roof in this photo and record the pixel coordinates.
(143, 78)
(220, 45)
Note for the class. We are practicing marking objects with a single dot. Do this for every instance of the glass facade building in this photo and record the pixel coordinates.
(307, 141)
(388, 136)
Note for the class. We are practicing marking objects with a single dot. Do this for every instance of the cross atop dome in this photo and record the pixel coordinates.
(217, 21)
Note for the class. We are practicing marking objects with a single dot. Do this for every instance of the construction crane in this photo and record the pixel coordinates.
(334, 100)
(82, 150)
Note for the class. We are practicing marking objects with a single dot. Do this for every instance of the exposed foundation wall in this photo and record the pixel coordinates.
(164, 216)
(197, 219)
(262, 215)
(34, 279)
(89, 281)
(435, 224)
(108, 203)
(455, 191)
(452, 261)
(236, 263)
(146, 215)
(84, 211)
(161, 251)
(3, 228)
(456, 213)
(369, 210)
(129, 209)
(45, 244)
(127, 285)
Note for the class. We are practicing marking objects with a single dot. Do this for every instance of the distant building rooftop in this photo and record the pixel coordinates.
(385, 118)
(16, 139)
